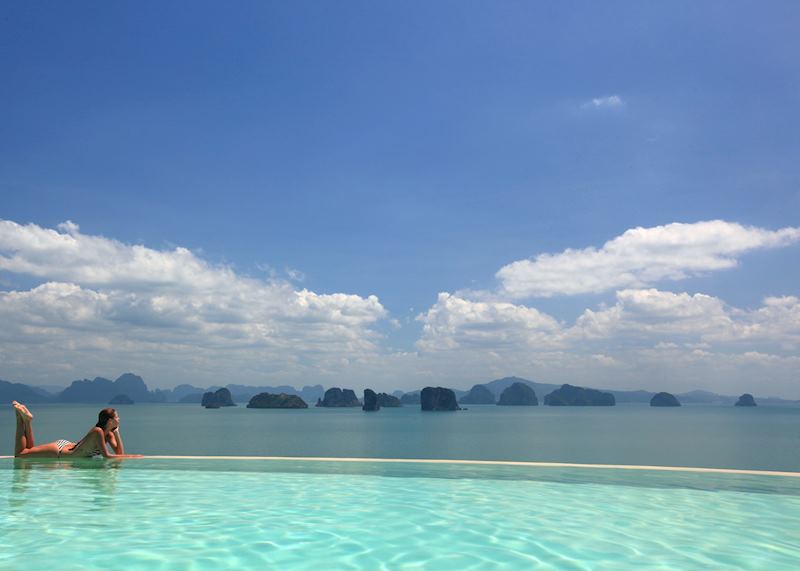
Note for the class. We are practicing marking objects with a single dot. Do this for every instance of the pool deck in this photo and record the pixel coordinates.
(483, 463)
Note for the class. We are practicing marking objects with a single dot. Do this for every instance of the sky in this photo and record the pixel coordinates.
(395, 195)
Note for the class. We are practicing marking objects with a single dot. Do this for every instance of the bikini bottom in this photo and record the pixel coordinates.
(60, 445)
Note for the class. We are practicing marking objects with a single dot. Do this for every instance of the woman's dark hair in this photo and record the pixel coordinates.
(105, 415)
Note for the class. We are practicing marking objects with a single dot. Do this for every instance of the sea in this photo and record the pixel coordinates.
(760, 438)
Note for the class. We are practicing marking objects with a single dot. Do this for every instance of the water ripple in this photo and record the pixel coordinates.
(197, 520)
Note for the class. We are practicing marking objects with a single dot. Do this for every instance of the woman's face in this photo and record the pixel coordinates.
(113, 423)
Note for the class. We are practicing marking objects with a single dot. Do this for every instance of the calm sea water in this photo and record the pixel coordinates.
(724, 437)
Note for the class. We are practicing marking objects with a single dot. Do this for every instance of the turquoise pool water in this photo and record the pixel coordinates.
(225, 514)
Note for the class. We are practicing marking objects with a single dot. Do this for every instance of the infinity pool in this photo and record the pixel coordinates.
(293, 514)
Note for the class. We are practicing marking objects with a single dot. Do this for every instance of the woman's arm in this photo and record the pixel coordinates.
(95, 439)
(118, 448)
(115, 440)
(101, 440)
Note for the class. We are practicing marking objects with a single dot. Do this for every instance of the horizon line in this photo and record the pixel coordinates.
(298, 390)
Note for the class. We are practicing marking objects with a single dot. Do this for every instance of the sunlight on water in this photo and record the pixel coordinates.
(160, 514)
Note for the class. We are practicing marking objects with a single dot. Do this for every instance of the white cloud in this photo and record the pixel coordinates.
(644, 318)
(454, 322)
(103, 307)
(295, 275)
(639, 258)
(109, 302)
(95, 260)
(778, 319)
(605, 360)
(699, 320)
(608, 102)
(647, 339)
(655, 312)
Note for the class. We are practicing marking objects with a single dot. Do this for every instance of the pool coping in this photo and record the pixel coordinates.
(520, 463)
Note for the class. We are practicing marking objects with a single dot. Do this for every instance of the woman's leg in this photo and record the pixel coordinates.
(23, 445)
(49, 450)
(20, 440)
(23, 408)
(27, 420)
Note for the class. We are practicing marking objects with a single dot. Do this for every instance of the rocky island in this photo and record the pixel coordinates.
(569, 395)
(410, 398)
(664, 399)
(371, 403)
(388, 401)
(478, 394)
(282, 400)
(21, 392)
(746, 400)
(217, 399)
(101, 390)
(438, 398)
(336, 397)
(518, 394)
(121, 399)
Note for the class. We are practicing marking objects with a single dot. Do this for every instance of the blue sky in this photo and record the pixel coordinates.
(402, 151)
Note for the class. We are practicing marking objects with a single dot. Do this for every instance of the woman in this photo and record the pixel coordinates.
(106, 431)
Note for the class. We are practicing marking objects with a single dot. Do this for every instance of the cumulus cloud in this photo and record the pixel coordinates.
(629, 344)
(132, 303)
(101, 306)
(607, 102)
(71, 256)
(698, 320)
(644, 338)
(642, 317)
(455, 322)
(656, 312)
(640, 257)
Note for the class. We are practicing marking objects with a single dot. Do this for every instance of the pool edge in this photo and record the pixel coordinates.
(485, 463)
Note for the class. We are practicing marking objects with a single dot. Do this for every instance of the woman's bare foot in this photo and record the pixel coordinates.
(22, 410)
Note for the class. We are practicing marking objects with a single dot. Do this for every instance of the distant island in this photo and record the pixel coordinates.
(219, 398)
(438, 398)
(370, 400)
(101, 390)
(282, 400)
(121, 399)
(746, 400)
(410, 398)
(478, 394)
(664, 399)
(336, 397)
(388, 401)
(497, 386)
(518, 394)
(569, 395)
